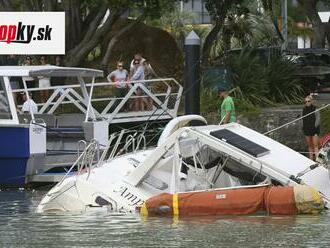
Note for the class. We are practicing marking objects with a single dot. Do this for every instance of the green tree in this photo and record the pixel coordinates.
(219, 10)
(87, 22)
(264, 80)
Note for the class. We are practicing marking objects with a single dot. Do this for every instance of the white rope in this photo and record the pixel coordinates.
(223, 118)
(295, 120)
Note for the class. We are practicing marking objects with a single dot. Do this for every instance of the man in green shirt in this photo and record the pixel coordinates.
(227, 108)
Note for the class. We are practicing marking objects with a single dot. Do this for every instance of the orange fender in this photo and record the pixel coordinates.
(268, 199)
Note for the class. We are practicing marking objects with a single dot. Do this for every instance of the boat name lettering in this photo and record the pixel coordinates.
(127, 195)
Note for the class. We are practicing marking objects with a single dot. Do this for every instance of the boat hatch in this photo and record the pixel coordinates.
(240, 142)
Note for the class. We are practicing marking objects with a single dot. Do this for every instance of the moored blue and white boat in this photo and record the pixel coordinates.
(23, 147)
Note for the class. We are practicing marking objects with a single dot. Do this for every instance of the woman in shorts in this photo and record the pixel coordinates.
(311, 127)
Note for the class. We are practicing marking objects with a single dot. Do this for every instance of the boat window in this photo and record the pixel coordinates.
(4, 103)
(201, 156)
(244, 174)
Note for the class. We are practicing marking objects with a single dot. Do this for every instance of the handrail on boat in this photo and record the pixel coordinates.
(85, 160)
(130, 140)
(81, 144)
(140, 138)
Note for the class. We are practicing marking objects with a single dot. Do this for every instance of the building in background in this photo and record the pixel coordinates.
(197, 7)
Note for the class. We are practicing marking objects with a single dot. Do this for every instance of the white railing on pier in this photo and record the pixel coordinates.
(160, 96)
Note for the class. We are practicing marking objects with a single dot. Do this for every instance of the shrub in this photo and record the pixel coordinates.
(264, 82)
(283, 86)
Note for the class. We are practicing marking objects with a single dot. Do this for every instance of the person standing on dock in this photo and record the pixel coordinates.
(311, 127)
(120, 78)
(227, 108)
(140, 102)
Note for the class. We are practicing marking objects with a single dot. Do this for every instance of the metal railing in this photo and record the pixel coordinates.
(85, 160)
(91, 157)
(116, 146)
(162, 97)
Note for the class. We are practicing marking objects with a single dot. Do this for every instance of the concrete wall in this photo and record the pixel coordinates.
(271, 118)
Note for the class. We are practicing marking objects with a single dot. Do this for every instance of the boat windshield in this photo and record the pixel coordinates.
(4, 103)
(199, 158)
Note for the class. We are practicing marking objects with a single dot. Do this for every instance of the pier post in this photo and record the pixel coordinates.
(192, 74)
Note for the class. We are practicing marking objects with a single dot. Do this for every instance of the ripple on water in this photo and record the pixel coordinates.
(21, 226)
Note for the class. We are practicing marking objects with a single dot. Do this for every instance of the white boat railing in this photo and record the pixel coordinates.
(117, 145)
(90, 156)
(160, 97)
(85, 160)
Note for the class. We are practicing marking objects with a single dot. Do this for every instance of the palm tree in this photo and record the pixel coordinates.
(247, 30)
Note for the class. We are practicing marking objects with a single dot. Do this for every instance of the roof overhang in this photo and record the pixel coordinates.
(48, 71)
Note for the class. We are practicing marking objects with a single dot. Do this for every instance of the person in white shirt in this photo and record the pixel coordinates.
(138, 75)
(29, 106)
(120, 78)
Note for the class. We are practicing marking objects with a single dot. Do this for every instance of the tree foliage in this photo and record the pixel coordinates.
(265, 80)
(218, 11)
(87, 22)
(259, 77)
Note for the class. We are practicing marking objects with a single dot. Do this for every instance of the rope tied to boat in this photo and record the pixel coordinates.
(297, 119)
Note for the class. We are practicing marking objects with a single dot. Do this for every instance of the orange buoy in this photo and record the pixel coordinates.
(236, 201)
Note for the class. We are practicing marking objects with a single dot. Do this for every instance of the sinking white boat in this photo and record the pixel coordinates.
(190, 156)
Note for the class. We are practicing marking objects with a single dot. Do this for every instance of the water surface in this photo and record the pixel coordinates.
(21, 226)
